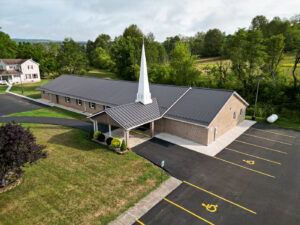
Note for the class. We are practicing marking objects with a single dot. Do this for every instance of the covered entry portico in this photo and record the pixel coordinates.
(129, 118)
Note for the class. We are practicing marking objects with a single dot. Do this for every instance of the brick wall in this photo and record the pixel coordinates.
(72, 104)
(188, 131)
(224, 120)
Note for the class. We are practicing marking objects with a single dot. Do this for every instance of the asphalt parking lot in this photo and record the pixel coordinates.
(13, 104)
(254, 180)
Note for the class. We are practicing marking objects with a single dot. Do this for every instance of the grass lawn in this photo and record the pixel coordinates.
(3, 88)
(93, 72)
(51, 112)
(29, 88)
(284, 122)
(79, 183)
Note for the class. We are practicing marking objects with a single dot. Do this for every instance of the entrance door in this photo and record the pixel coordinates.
(215, 133)
(57, 99)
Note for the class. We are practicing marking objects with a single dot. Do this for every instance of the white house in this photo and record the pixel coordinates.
(15, 71)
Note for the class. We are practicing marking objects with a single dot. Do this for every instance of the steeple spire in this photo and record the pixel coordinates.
(143, 95)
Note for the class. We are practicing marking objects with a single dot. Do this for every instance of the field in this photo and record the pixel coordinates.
(51, 112)
(93, 72)
(29, 89)
(79, 182)
(285, 66)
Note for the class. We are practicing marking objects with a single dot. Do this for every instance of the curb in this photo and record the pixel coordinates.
(144, 205)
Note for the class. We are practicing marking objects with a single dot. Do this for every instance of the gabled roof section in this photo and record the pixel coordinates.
(134, 114)
(14, 61)
(199, 105)
(111, 92)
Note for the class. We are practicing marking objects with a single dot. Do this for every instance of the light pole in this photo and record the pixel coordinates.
(259, 79)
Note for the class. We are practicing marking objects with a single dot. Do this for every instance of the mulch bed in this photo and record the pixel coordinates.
(106, 146)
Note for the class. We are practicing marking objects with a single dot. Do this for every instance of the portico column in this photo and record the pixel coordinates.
(109, 130)
(152, 128)
(126, 137)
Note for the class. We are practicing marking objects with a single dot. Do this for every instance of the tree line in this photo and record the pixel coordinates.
(243, 57)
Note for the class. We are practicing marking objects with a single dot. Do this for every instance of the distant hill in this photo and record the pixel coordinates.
(18, 40)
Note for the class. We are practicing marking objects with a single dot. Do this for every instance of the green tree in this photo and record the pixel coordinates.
(213, 43)
(259, 23)
(170, 42)
(183, 65)
(72, 58)
(134, 32)
(125, 53)
(102, 59)
(8, 47)
(274, 49)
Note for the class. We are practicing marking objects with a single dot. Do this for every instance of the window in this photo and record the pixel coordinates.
(79, 102)
(28, 76)
(31, 66)
(241, 112)
(28, 67)
(11, 67)
(92, 105)
(43, 92)
(234, 115)
(67, 99)
(35, 76)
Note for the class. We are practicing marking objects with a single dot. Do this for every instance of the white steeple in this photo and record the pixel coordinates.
(143, 95)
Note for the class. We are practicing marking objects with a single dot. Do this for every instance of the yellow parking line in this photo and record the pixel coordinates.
(268, 139)
(272, 132)
(256, 171)
(199, 217)
(134, 131)
(270, 149)
(140, 222)
(218, 196)
(254, 156)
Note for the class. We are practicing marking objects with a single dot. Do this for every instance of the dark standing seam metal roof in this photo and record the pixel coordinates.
(200, 105)
(197, 105)
(134, 114)
(111, 92)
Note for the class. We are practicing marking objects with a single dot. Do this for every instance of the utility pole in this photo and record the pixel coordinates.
(259, 79)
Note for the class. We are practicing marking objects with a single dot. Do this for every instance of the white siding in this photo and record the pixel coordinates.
(29, 68)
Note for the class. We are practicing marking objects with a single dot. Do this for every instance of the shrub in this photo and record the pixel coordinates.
(123, 146)
(101, 137)
(108, 140)
(115, 143)
(96, 135)
(91, 133)
(17, 147)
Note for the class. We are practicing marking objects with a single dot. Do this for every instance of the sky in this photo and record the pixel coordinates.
(84, 20)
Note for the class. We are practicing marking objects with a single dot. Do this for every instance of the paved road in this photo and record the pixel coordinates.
(12, 104)
(255, 180)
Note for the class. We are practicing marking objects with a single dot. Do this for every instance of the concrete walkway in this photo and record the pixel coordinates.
(143, 206)
(78, 124)
(214, 148)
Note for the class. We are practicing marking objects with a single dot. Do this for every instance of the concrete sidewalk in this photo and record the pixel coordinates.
(214, 148)
(143, 206)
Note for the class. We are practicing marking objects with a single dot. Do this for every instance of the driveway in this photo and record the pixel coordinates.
(254, 180)
(12, 104)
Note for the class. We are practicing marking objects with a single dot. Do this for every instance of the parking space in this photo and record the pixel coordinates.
(254, 180)
(12, 104)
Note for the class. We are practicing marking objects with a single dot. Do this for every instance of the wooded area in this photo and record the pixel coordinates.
(243, 57)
